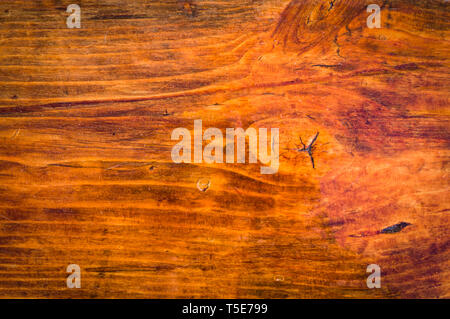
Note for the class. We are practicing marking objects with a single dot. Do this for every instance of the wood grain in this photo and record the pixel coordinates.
(86, 117)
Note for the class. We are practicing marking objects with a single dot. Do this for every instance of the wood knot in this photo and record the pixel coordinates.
(189, 8)
(203, 184)
(395, 228)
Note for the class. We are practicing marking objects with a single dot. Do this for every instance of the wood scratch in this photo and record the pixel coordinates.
(16, 133)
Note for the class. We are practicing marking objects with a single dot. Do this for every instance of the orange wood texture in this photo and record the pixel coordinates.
(86, 175)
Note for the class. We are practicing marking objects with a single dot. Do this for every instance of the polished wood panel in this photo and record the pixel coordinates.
(86, 175)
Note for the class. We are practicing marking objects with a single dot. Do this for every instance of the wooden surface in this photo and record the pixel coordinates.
(86, 176)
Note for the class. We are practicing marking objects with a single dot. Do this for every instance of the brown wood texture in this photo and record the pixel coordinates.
(86, 175)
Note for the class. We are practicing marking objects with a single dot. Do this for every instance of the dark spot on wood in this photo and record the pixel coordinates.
(395, 228)
(309, 149)
(407, 67)
(331, 5)
(189, 8)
